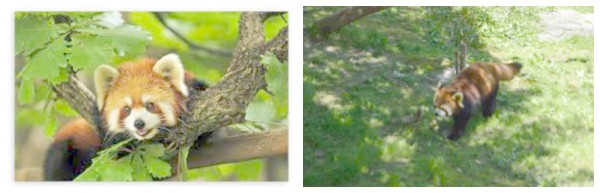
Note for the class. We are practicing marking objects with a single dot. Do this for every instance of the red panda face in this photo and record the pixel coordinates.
(142, 97)
(447, 101)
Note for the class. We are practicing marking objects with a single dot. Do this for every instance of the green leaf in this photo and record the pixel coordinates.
(113, 148)
(26, 92)
(152, 150)
(33, 33)
(157, 167)
(119, 170)
(263, 111)
(63, 75)
(90, 51)
(45, 63)
(127, 40)
(277, 80)
(88, 175)
(64, 109)
(103, 164)
(140, 173)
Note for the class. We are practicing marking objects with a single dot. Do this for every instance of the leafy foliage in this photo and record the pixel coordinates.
(78, 43)
(277, 81)
(142, 164)
(53, 43)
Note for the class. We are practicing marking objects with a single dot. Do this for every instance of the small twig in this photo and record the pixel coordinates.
(191, 44)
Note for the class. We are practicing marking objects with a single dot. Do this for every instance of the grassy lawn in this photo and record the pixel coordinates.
(368, 106)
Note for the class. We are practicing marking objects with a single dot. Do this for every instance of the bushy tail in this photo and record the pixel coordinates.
(71, 152)
(63, 162)
(508, 71)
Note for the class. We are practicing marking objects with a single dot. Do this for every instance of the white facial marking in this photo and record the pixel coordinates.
(146, 98)
(151, 123)
(443, 111)
(168, 113)
(113, 121)
(128, 101)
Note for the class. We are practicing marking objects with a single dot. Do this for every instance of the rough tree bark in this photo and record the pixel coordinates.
(343, 17)
(82, 100)
(223, 104)
(236, 148)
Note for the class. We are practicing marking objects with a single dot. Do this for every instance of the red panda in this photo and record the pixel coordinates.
(475, 85)
(137, 100)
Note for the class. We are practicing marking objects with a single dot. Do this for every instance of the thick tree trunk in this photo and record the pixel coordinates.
(343, 17)
(225, 103)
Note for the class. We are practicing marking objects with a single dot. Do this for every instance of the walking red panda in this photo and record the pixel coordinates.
(475, 85)
(137, 99)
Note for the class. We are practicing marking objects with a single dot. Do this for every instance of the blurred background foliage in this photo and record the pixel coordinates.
(39, 113)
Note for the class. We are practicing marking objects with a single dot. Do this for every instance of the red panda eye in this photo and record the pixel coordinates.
(150, 106)
(126, 110)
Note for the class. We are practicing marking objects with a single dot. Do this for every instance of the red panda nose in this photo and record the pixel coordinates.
(139, 124)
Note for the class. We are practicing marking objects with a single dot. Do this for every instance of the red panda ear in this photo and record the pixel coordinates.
(104, 76)
(439, 85)
(171, 68)
(458, 97)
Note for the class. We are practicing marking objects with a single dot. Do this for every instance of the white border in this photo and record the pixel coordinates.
(7, 100)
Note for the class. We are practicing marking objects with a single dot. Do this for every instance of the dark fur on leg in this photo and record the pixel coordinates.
(64, 162)
(461, 120)
(488, 106)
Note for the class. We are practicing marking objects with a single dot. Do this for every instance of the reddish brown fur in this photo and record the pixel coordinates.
(479, 85)
(81, 133)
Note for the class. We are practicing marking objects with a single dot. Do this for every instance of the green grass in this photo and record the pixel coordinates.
(365, 86)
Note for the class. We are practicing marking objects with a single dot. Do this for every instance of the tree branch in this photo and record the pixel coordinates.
(278, 45)
(344, 17)
(191, 44)
(240, 148)
(82, 100)
(225, 103)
